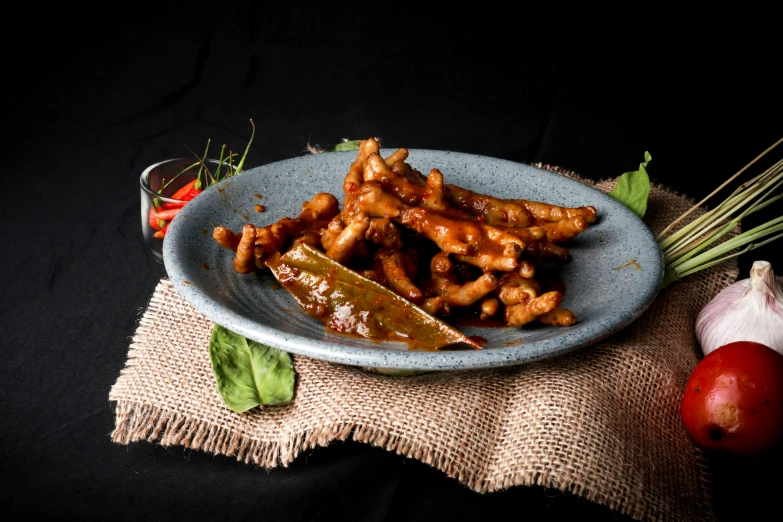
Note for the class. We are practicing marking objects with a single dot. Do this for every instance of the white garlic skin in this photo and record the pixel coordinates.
(748, 310)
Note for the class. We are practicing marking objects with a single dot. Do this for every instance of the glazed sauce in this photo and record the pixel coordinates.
(632, 263)
(478, 340)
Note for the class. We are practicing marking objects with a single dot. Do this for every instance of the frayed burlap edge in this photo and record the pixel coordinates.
(135, 422)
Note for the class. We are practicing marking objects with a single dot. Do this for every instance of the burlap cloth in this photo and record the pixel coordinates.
(602, 423)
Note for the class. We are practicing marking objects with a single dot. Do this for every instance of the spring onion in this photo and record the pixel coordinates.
(708, 240)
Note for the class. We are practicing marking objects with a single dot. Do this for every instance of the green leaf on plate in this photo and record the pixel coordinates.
(633, 188)
(345, 145)
(248, 373)
(348, 303)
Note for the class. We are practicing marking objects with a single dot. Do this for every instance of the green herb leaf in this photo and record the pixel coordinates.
(633, 188)
(249, 373)
(247, 149)
(346, 145)
(349, 303)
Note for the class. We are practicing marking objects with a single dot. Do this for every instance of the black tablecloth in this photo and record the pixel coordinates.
(93, 98)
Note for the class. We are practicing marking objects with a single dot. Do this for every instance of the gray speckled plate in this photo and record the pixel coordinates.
(614, 275)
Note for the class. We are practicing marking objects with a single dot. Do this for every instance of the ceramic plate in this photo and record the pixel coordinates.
(614, 275)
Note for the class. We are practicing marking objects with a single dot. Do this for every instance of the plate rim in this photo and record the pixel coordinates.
(400, 359)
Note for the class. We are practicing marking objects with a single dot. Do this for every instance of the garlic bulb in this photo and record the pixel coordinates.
(748, 310)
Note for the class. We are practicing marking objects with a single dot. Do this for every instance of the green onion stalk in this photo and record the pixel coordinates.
(708, 240)
(206, 178)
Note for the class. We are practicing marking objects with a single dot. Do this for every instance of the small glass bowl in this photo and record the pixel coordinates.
(151, 181)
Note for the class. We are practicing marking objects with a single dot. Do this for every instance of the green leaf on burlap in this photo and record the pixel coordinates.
(248, 373)
(633, 188)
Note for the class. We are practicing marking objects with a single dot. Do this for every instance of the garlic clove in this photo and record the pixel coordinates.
(748, 310)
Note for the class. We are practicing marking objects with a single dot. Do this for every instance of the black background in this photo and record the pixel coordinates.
(93, 97)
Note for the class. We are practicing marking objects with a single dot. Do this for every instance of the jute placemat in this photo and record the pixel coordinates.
(602, 423)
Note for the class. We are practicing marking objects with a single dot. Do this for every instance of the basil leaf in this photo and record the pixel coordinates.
(248, 373)
(346, 145)
(633, 188)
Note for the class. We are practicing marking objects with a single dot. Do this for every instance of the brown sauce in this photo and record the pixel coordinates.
(475, 320)
(632, 263)
(478, 340)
